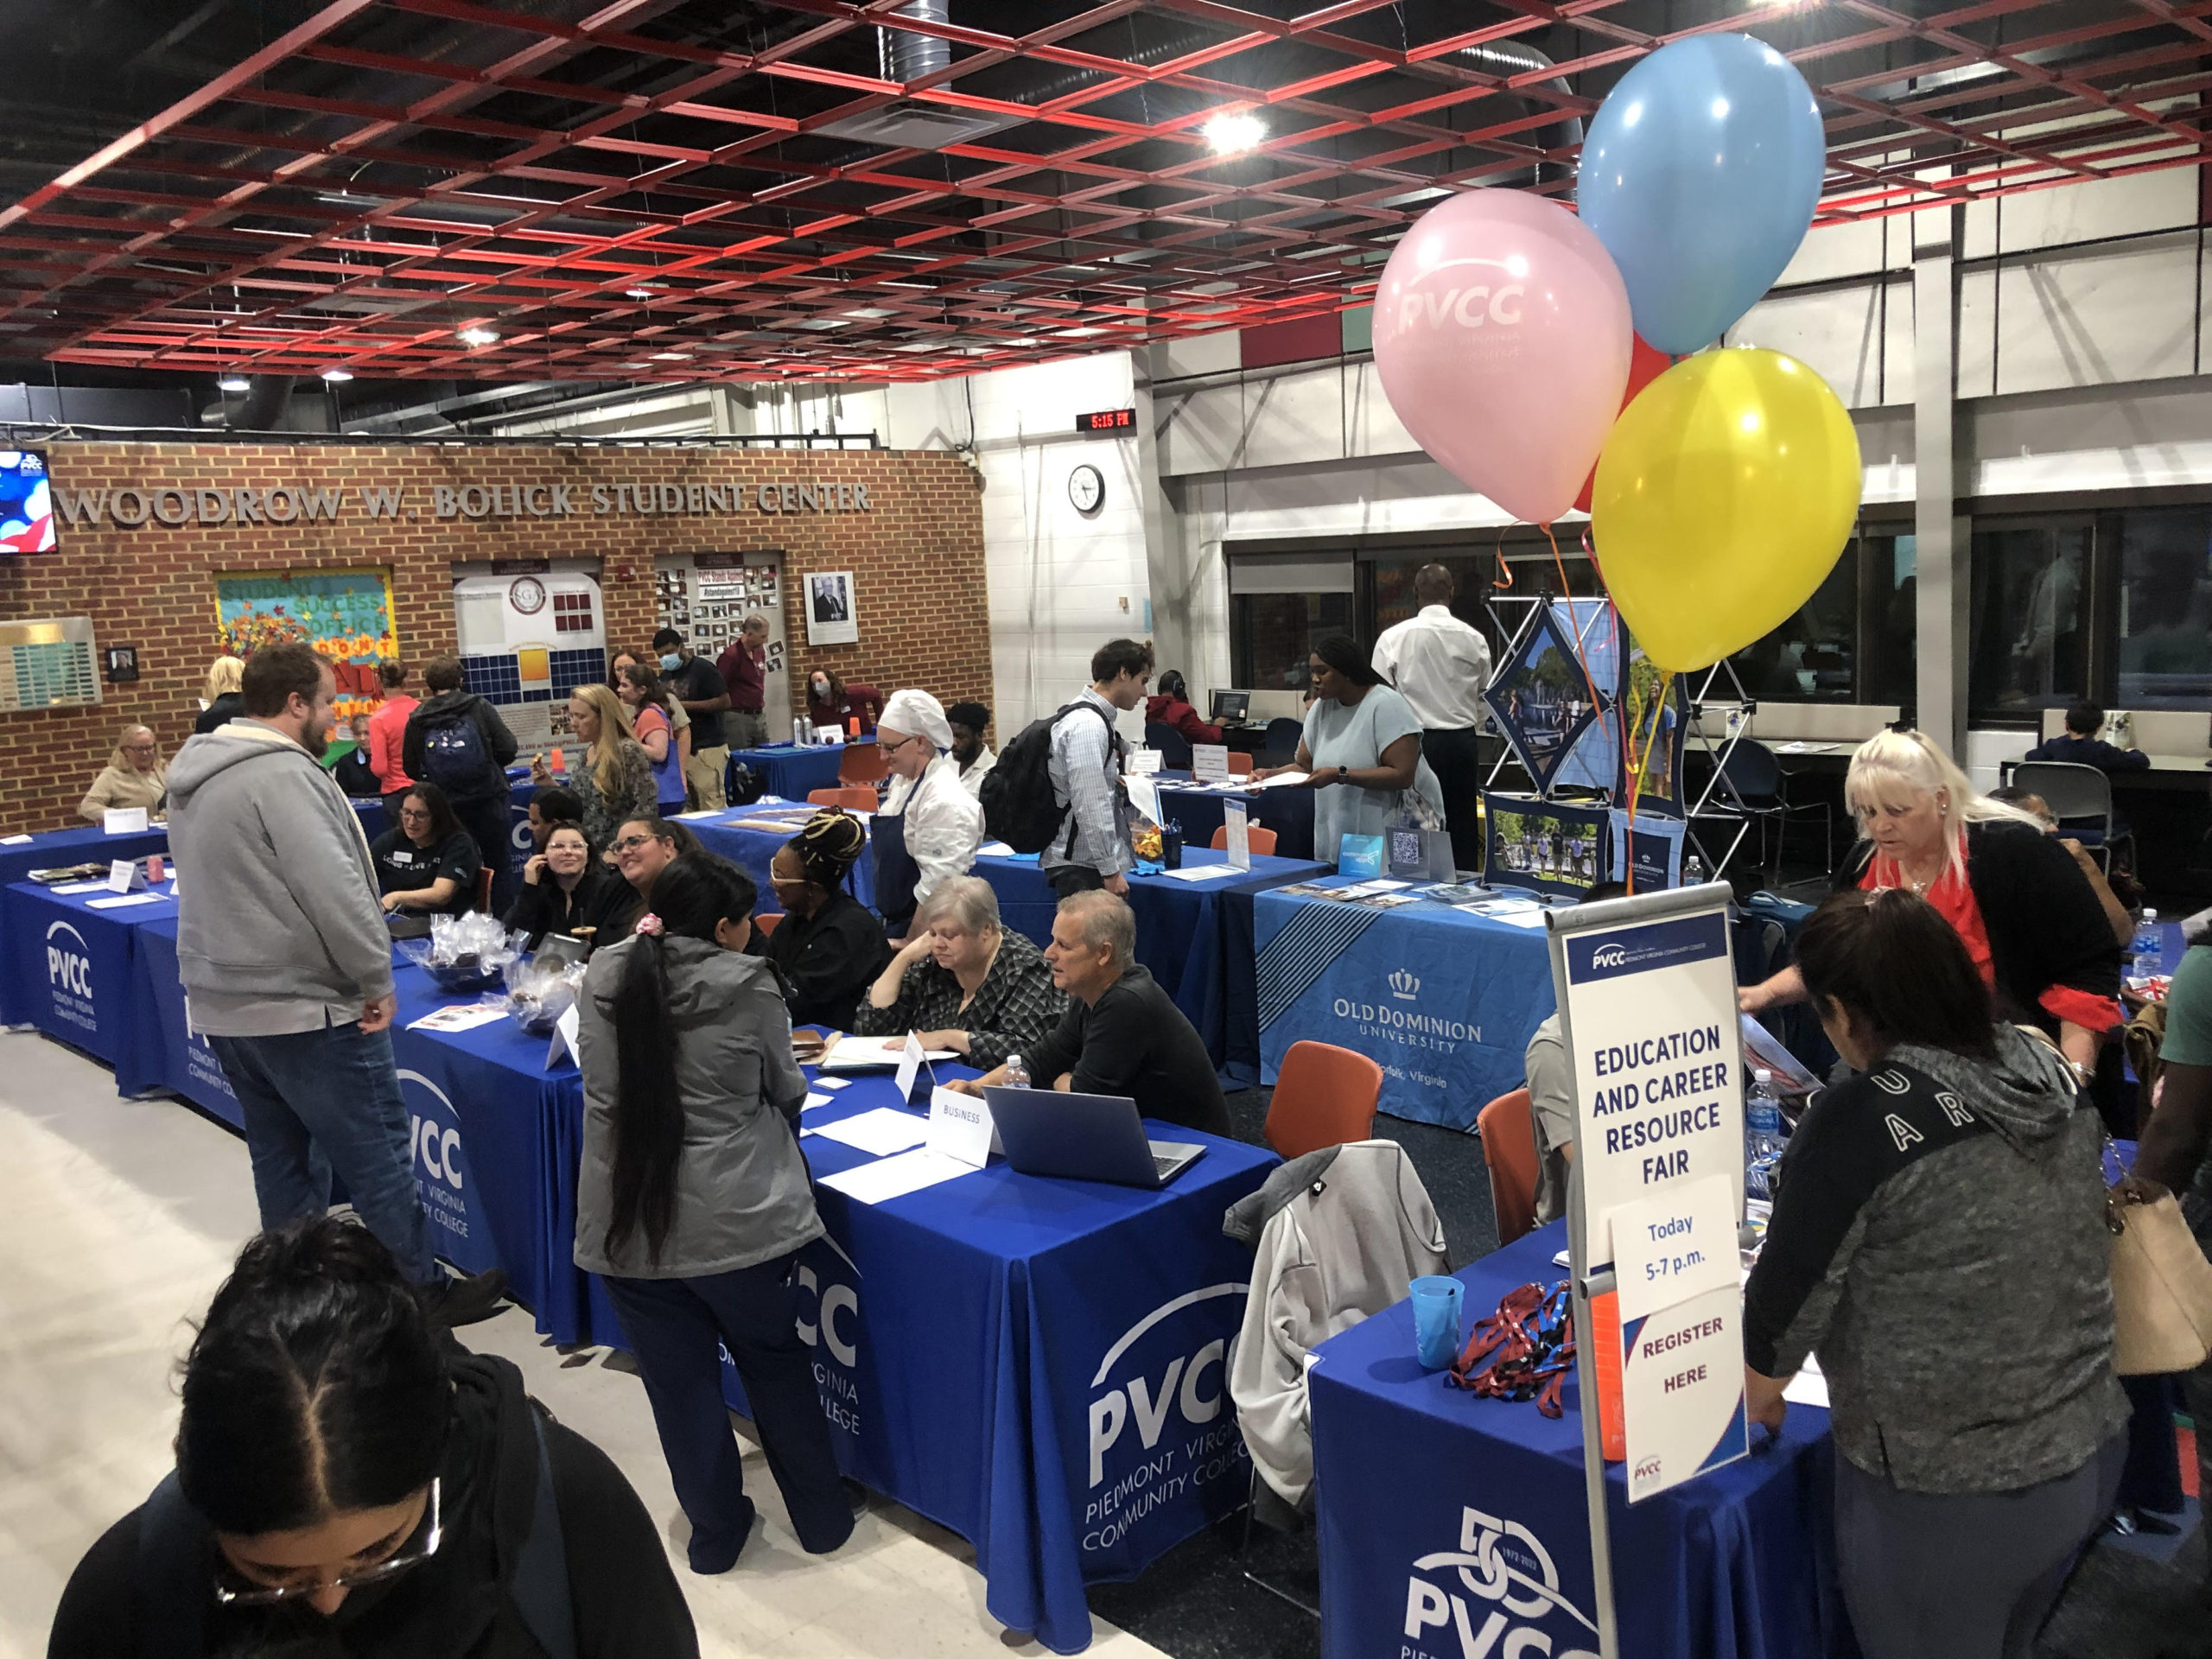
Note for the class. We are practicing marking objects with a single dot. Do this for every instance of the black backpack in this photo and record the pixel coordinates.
(456, 756)
(742, 785)
(1019, 806)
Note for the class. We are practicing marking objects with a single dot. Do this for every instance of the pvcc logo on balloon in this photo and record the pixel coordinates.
(1458, 302)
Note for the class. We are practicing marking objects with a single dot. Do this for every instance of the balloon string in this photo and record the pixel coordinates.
(1503, 581)
(1628, 748)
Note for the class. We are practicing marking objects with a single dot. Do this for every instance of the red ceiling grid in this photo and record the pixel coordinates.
(670, 189)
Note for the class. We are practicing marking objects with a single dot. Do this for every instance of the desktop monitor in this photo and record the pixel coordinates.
(1229, 706)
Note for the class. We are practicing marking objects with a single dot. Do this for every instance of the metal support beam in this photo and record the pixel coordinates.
(1940, 537)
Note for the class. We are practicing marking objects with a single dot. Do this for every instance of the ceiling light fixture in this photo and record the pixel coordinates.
(641, 292)
(1233, 131)
(672, 357)
(337, 376)
(234, 382)
(477, 334)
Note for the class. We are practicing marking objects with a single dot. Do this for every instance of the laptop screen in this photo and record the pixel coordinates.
(1230, 705)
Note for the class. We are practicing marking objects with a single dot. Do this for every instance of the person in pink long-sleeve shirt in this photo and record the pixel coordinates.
(387, 732)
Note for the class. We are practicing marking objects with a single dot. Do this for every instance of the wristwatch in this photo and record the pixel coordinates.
(2084, 1075)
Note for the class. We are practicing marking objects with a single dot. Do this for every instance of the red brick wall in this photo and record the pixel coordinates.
(916, 558)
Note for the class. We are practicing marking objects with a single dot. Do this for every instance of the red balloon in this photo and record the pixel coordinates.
(1646, 364)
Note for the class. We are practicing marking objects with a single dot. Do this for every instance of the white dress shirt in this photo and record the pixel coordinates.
(1439, 666)
(971, 775)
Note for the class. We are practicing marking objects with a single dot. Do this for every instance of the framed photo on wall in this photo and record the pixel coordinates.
(831, 616)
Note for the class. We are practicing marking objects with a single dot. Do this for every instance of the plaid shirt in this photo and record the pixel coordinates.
(1016, 1008)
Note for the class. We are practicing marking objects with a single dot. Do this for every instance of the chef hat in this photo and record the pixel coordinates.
(918, 715)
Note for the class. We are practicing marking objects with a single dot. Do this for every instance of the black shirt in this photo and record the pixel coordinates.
(540, 907)
(221, 712)
(700, 681)
(402, 867)
(828, 961)
(1135, 1042)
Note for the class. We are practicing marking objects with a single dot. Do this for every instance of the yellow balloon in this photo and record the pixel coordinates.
(1723, 495)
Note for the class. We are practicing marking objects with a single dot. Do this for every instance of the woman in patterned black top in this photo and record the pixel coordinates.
(964, 982)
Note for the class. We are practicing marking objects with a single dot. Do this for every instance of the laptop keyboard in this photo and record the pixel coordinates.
(1164, 1167)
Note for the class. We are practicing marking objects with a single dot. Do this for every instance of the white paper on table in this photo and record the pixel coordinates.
(123, 821)
(884, 1131)
(100, 885)
(462, 1016)
(703, 812)
(1809, 1387)
(15, 841)
(118, 900)
(832, 1083)
(1145, 761)
(814, 1099)
(874, 1053)
(891, 1177)
(1531, 916)
(1281, 780)
(1384, 883)
(1144, 795)
(995, 849)
(1203, 873)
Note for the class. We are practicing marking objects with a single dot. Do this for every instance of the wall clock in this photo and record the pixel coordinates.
(1086, 488)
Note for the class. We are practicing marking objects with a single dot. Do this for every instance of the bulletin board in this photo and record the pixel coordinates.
(344, 614)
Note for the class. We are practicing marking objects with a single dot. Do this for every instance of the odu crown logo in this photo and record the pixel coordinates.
(1403, 985)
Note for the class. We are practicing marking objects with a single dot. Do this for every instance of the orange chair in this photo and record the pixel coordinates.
(863, 763)
(484, 889)
(859, 798)
(1258, 838)
(1508, 1137)
(766, 924)
(1324, 1096)
(1239, 763)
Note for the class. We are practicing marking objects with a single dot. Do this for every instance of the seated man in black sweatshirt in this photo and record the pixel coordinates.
(2082, 746)
(1123, 1034)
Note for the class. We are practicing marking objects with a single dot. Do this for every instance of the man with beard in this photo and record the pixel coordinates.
(287, 967)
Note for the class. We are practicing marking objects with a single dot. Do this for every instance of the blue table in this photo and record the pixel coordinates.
(1288, 812)
(1425, 1493)
(1039, 1365)
(786, 770)
(86, 843)
(165, 1052)
(751, 850)
(67, 969)
(1443, 999)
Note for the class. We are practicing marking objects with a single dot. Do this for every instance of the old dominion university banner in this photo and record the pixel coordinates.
(1444, 998)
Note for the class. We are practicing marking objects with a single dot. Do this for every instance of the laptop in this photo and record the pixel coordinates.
(1230, 708)
(1084, 1138)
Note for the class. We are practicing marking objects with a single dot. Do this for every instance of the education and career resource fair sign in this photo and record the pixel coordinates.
(1649, 994)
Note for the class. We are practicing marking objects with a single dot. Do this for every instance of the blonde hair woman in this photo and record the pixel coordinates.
(220, 699)
(135, 775)
(615, 783)
(2025, 912)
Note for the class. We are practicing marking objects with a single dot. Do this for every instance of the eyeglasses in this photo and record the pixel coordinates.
(630, 843)
(893, 748)
(411, 1553)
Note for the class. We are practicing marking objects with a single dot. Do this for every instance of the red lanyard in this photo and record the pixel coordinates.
(1522, 1351)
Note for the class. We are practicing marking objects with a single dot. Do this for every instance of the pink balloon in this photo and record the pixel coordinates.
(1503, 336)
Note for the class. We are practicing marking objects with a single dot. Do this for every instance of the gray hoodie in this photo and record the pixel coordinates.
(279, 927)
(1939, 1238)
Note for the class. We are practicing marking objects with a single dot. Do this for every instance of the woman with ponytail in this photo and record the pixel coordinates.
(349, 1484)
(693, 1201)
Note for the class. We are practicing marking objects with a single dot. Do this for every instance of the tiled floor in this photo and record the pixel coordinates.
(117, 1219)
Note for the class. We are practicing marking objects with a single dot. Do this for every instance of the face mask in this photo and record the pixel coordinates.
(821, 688)
(671, 661)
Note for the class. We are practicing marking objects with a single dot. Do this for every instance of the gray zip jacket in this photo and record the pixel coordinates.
(1939, 1239)
(279, 928)
(742, 1195)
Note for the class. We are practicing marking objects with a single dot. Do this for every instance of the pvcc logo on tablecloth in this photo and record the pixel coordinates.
(1499, 1562)
(435, 1153)
(1403, 985)
(1162, 1425)
(829, 1323)
(69, 975)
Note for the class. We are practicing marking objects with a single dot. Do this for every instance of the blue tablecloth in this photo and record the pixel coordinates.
(164, 1054)
(752, 849)
(1039, 1365)
(67, 969)
(786, 770)
(1444, 999)
(1425, 1493)
(84, 845)
(1288, 812)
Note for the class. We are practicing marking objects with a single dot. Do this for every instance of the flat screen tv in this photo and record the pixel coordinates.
(26, 508)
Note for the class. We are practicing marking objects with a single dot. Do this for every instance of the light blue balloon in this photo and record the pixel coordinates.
(1699, 175)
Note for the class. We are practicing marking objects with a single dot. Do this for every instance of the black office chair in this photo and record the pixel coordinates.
(1752, 781)
(2080, 797)
(1174, 748)
(1284, 736)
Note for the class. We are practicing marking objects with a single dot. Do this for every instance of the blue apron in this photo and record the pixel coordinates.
(668, 774)
(896, 873)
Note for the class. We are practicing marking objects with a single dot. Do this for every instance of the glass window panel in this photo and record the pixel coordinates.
(1273, 635)
(2165, 607)
(1471, 575)
(2029, 621)
(1895, 622)
(1810, 657)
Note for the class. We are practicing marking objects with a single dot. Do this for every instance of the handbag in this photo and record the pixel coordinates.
(2161, 1283)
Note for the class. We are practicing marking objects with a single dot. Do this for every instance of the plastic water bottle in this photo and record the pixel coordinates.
(1693, 871)
(1017, 1074)
(2147, 944)
(1764, 1136)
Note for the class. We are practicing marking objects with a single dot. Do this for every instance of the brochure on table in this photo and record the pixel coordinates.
(1236, 831)
(1647, 997)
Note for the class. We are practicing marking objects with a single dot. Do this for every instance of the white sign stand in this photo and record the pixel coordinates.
(1650, 982)
(125, 875)
(910, 1066)
(1236, 822)
(961, 1128)
(1144, 760)
(123, 821)
(1209, 763)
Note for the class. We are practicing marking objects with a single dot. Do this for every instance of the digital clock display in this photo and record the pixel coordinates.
(1107, 420)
